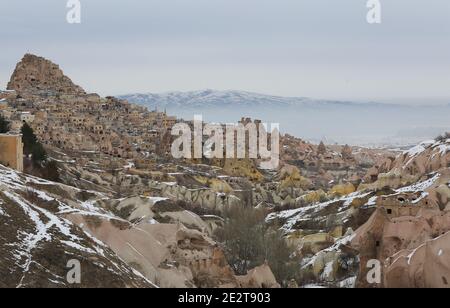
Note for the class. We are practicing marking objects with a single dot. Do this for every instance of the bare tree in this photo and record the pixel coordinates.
(249, 243)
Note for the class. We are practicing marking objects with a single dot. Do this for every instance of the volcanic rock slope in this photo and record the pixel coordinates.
(118, 242)
(38, 73)
(37, 241)
(135, 241)
(400, 216)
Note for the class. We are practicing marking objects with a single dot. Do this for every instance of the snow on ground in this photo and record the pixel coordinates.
(348, 283)
(335, 247)
(442, 147)
(414, 251)
(313, 286)
(418, 149)
(78, 247)
(294, 216)
(2, 211)
(44, 231)
(13, 184)
(18, 181)
(420, 186)
(130, 165)
(156, 199)
(439, 148)
(372, 201)
(327, 270)
(107, 216)
(43, 226)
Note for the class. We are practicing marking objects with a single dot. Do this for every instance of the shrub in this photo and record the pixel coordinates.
(4, 125)
(444, 137)
(165, 206)
(29, 139)
(93, 222)
(38, 153)
(249, 243)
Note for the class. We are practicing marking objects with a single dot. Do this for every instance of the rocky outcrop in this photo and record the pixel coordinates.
(316, 232)
(326, 166)
(259, 277)
(322, 148)
(35, 73)
(427, 266)
(402, 220)
(136, 225)
(429, 156)
(170, 255)
(291, 179)
(347, 153)
(131, 242)
(242, 168)
(409, 166)
(37, 243)
(396, 241)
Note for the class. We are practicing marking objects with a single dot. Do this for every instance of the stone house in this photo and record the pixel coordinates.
(27, 117)
(405, 204)
(11, 151)
(3, 104)
(15, 125)
(169, 122)
(7, 113)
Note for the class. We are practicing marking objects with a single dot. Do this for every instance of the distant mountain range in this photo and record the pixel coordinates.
(214, 99)
(368, 123)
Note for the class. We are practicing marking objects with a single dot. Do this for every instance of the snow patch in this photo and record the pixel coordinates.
(421, 186)
(156, 199)
(348, 283)
(78, 247)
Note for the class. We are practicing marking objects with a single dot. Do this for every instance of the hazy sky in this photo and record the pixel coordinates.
(314, 48)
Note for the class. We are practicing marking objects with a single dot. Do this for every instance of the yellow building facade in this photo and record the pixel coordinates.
(11, 151)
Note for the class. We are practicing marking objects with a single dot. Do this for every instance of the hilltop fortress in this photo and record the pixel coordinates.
(64, 116)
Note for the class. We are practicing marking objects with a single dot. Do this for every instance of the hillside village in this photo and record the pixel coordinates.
(68, 118)
(163, 222)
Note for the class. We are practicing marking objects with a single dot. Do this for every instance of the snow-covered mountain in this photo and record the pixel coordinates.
(213, 98)
(378, 124)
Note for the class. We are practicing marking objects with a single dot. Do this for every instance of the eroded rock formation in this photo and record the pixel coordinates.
(36, 73)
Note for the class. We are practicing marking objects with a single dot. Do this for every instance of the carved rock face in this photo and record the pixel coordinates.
(34, 73)
(413, 250)
(426, 266)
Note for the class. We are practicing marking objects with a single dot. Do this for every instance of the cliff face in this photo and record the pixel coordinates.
(402, 219)
(44, 225)
(35, 73)
(400, 212)
(410, 166)
(409, 231)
